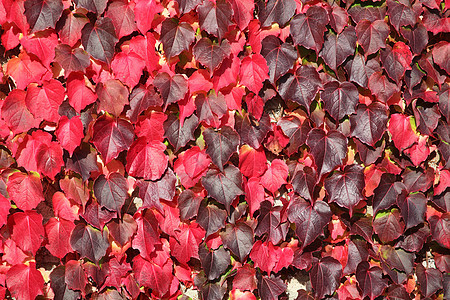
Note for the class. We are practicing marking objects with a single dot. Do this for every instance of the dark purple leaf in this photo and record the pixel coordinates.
(414, 241)
(345, 188)
(325, 276)
(211, 108)
(401, 14)
(337, 48)
(388, 226)
(327, 148)
(100, 39)
(71, 60)
(397, 259)
(211, 218)
(42, 14)
(142, 98)
(416, 181)
(275, 11)
(83, 161)
(176, 37)
(412, 209)
(112, 191)
(430, 280)
(382, 87)
(340, 99)
(152, 191)
(387, 192)
(214, 262)
(221, 144)
(304, 182)
(309, 219)
(417, 37)
(372, 35)
(270, 222)
(238, 238)
(123, 230)
(360, 70)
(172, 89)
(270, 287)
(368, 12)
(89, 242)
(177, 134)
(369, 123)
(215, 17)
(211, 54)
(95, 6)
(188, 204)
(251, 131)
(224, 186)
(370, 280)
(357, 252)
(307, 29)
(301, 86)
(280, 56)
(296, 130)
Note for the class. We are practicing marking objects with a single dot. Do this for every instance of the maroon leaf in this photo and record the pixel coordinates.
(280, 56)
(89, 242)
(322, 144)
(59, 286)
(414, 242)
(430, 280)
(441, 52)
(224, 186)
(176, 37)
(214, 262)
(172, 88)
(325, 276)
(396, 60)
(221, 145)
(360, 70)
(209, 54)
(270, 287)
(275, 11)
(340, 99)
(211, 218)
(112, 136)
(215, 17)
(122, 16)
(357, 252)
(95, 215)
(412, 209)
(151, 192)
(123, 230)
(296, 130)
(397, 259)
(440, 229)
(371, 13)
(427, 119)
(238, 238)
(142, 98)
(372, 35)
(270, 223)
(112, 191)
(83, 161)
(300, 87)
(401, 14)
(309, 219)
(338, 18)
(177, 133)
(381, 87)
(95, 6)
(252, 132)
(337, 48)
(71, 60)
(112, 96)
(304, 182)
(387, 192)
(387, 225)
(211, 108)
(345, 188)
(417, 37)
(99, 39)
(42, 14)
(307, 29)
(370, 280)
(188, 204)
(369, 123)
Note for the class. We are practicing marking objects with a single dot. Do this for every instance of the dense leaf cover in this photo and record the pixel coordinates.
(160, 148)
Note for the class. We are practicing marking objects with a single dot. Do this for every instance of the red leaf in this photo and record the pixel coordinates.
(79, 94)
(275, 175)
(128, 67)
(25, 282)
(185, 245)
(158, 278)
(49, 159)
(28, 232)
(147, 159)
(144, 13)
(122, 16)
(42, 45)
(58, 233)
(112, 136)
(401, 131)
(44, 102)
(16, 114)
(147, 236)
(253, 72)
(25, 190)
(70, 133)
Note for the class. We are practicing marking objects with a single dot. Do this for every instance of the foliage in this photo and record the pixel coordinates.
(155, 148)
